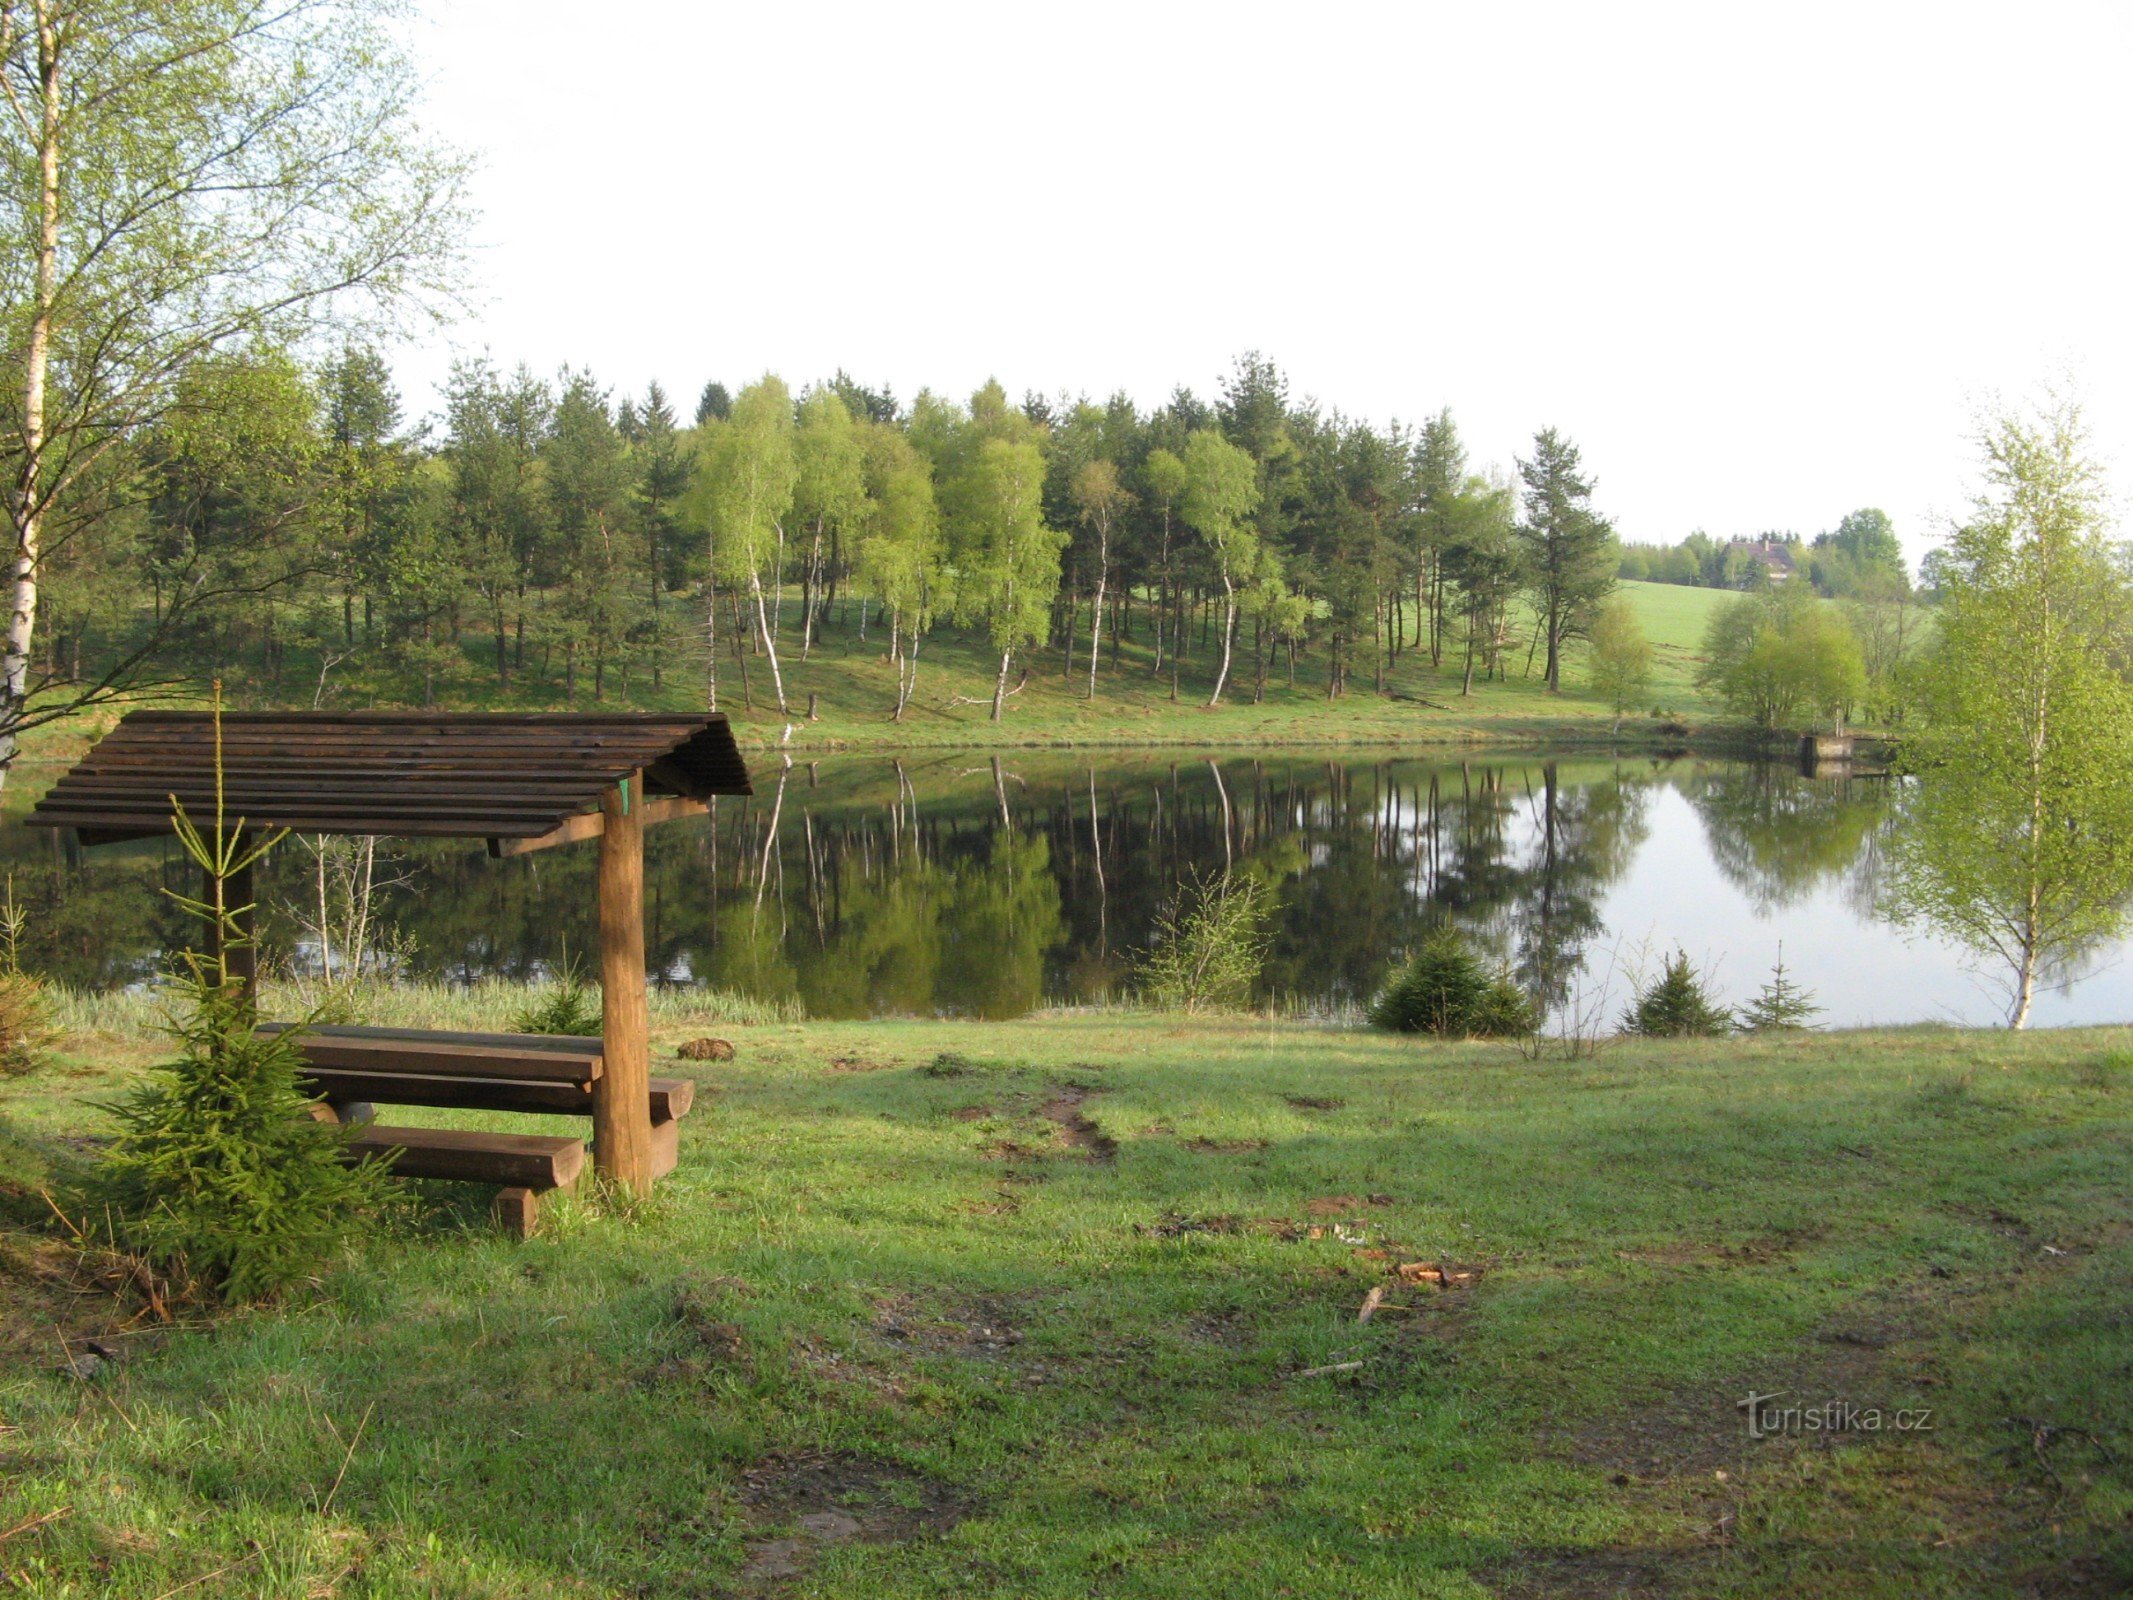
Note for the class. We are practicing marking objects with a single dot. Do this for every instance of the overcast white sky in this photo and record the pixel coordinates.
(1763, 263)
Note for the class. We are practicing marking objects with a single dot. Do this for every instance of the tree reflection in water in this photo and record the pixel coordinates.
(951, 884)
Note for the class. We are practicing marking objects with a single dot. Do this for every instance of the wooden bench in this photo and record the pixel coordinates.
(354, 1069)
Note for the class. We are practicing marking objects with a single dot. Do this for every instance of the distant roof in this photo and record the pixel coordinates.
(507, 775)
(1774, 554)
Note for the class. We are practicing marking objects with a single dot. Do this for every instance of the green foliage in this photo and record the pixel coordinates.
(569, 1006)
(1210, 944)
(1221, 491)
(218, 1169)
(1621, 659)
(1445, 990)
(1780, 1003)
(221, 180)
(25, 1008)
(1677, 1005)
(1780, 654)
(25, 1023)
(2020, 843)
(1569, 550)
(1862, 558)
(750, 471)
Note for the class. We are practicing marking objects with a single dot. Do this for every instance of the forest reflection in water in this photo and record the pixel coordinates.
(964, 885)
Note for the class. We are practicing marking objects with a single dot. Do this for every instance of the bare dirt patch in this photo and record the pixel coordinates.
(1179, 1224)
(1862, 1356)
(83, 1310)
(1314, 1102)
(1702, 1253)
(707, 1341)
(1343, 1205)
(858, 1064)
(986, 1326)
(1008, 1150)
(807, 1501)
(1225, 1147)
(1600, 1574)
(1225, 1326)
(1064, 1112)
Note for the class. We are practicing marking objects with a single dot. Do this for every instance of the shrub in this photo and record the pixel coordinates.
(1676, 1005)
(1619, 659)
(1781, 654)
(1446, 990)
(1210, 943)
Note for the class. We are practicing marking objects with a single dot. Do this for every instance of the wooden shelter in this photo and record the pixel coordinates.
(522, 781)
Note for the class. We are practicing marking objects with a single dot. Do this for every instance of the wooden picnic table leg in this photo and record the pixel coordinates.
(622, 1094)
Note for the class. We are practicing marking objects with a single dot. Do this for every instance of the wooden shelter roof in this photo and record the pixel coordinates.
(503, 776)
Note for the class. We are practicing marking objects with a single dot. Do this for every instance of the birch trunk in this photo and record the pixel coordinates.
(1096, 619)
(770, 645)
(1229, 629)
(811, 597)
(999, 688)
(28, 508)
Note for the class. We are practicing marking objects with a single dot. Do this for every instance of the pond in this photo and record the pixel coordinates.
(956, 884)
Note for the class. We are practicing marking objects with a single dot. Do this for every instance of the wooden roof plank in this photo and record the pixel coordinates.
(503, 776)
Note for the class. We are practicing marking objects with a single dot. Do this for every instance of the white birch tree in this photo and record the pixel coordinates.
(185, 179)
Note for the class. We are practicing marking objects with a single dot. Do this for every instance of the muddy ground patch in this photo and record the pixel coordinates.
(805, 1502)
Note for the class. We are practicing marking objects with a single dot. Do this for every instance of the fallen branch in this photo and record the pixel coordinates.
(1371, 1302)
(36, 1522)
(986, 699)
(1338, 1366)
(2043, 1435)
(195, 1583)
(327, 1505)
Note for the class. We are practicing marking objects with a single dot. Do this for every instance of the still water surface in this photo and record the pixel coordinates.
(864, 886)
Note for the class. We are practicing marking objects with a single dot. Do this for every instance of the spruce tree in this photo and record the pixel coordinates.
(1780, 1004)
(1569, 548)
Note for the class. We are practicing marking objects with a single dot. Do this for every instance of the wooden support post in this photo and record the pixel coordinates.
(622, 1094)
(517, 1211)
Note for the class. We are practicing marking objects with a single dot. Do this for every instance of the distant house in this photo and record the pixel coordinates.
(1774, 556)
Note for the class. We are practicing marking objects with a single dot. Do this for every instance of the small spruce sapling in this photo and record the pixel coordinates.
(219, 1169)
(1445, 990)
(1781, 1004)
(571, 1007)
(1677, 1005)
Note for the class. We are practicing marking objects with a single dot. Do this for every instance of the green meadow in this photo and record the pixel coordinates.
(1073, 1306)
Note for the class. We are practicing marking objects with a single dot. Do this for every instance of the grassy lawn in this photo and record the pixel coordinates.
(1027, 1309)
(854, 688)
